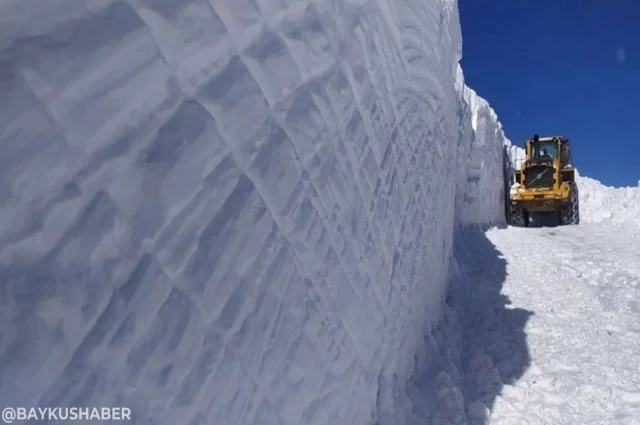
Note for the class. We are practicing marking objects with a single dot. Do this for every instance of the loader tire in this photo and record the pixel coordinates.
(570, 215)
(518, 216)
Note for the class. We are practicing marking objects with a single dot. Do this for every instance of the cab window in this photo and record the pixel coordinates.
(544, 150)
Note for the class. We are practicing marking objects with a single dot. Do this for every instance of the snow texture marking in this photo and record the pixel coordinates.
(233, 211)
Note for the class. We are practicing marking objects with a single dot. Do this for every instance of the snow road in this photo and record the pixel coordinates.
(574, 292)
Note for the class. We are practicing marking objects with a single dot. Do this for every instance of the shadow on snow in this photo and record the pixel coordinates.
(479, 345)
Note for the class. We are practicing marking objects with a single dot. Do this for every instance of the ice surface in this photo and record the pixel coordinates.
(241, 211)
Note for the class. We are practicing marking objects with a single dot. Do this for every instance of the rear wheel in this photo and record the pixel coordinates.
(518, 216)
(570, 215)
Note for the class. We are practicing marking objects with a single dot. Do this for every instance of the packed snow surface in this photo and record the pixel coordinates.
(540, 327)
(580, 290)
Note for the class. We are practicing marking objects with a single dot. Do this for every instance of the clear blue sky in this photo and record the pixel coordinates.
(567, 67)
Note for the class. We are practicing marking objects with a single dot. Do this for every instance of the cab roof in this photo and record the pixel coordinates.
(550, 139)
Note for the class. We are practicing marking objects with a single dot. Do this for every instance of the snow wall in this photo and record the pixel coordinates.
(232, 212)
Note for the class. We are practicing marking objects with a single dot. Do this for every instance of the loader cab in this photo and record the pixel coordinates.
(549, 149)
(547, 163)
(544, 150)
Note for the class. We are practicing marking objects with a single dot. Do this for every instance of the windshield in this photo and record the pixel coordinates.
(544, 150)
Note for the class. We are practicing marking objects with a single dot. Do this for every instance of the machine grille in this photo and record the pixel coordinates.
(538, 176)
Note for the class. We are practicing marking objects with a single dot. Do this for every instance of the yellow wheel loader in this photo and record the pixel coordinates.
(545, 183)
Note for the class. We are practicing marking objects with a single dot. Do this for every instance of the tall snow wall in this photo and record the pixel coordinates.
(480, 198)
(234, 212)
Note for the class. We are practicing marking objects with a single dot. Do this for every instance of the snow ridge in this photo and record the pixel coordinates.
(600, 203)
(233, 211)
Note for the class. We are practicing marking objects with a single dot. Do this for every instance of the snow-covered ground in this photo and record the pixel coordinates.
(245, 212)
(540, 327)
(579, 289)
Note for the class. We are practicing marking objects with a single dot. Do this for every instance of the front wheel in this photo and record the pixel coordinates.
(518, 216)
(570, 214)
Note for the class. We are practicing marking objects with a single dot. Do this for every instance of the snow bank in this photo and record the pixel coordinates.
(232, 211)
(600, 203)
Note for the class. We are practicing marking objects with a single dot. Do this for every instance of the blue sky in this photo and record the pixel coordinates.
(566, 67)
